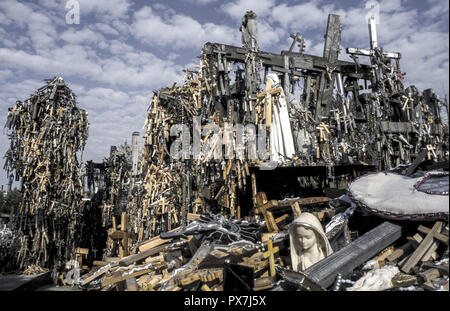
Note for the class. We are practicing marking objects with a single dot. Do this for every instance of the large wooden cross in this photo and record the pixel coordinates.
(424, 247)
(373, 44)
(330, 55)
(267, 94)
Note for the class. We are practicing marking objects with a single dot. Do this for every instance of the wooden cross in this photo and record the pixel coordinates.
(263, 208)
(373, 44)
(431, 149)
(80, 253)
(121, 235)
(270, 254)
(423, 248)
(296, 38)
(267, 94)
(330, 56)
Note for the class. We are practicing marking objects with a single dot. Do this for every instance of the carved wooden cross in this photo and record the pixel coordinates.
(373, 44)
(121, 235)
(270, 254)
(263, 207)
(431, 149)
(267, 94)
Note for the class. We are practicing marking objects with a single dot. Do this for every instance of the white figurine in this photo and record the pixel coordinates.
(308, 241)
(376, 280)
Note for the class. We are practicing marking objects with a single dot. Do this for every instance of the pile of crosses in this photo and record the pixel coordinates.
(215, 253)
(208, 141)
(47, 132)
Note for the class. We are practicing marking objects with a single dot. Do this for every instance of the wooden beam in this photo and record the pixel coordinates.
(296, 209)
(430, 275)
(123, 249)
(141, 256)
(400, 251)
(422, 249)
(132, 284)
(122, 277)
(155, 241)
(99, 273)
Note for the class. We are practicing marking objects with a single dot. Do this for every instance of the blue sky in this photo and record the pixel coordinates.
(122, 50)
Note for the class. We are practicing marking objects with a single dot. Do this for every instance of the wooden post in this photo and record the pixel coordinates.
(254, 190)
(123, 250)
(330, 55)
(296, 209)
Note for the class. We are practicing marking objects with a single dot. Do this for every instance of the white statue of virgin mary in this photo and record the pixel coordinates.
(308, 242)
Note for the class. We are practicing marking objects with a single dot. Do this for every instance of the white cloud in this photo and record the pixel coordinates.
(4, 20)
(200, 2)
(84, 35)
(237, 9)
(437, 8)
(301, 17)
(178, 31)
(106, 29)
(106, 9)
(129, 69)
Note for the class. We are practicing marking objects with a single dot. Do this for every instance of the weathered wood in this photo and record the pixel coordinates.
(422, 249)
(266, 236)
(82, 251)
(155, 241)
(270, 254)
(123, 276)
(123, 249)
(117, 235)
(443, 269)
(263, 283)
(303, 201)
(400, 251)
(281, 218)
(192, 216)
(254, 189)
(430, 274)
(330, 57)
(296, 209)
(141, 256)
(419, 159)
(99, 273)
(438, 236)
(152, 260)
(431, 252)
(189, 279)
(359, 251)
(132, 284)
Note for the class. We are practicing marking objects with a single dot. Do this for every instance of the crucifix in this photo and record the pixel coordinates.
(301, 42)
(374, 52)
(270, 254)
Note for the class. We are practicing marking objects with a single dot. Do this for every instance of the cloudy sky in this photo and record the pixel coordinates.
(122, 50)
